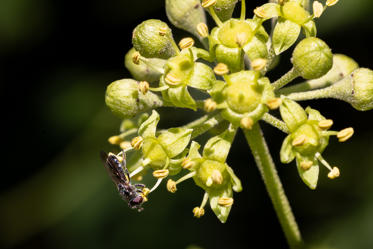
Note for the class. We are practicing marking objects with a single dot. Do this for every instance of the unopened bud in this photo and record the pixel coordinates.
(225, 201)
(345, 134)
(137, 142)
(171, 186)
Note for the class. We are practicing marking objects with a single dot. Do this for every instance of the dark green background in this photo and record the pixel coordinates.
(58, 56)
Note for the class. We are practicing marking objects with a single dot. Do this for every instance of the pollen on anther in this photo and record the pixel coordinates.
(185, 43)
(161, 173)
(325, 124)
(225, 201)
(300, 140)
(345, 134)
(203, 30)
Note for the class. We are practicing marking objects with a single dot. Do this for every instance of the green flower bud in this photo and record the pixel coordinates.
(185, 14)
(312, 58)
(356, 89)
(153, 39)
(342, 66)
(143, 72)
(125, 100)
(224, 9)
(292, 114)
(293, 11)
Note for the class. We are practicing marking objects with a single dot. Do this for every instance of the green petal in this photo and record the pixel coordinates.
(217, 148)
(285, 35)
(314, 114)
(180, 97)
(193, 151)
(286, 154)
(202, 77)
(175, 140)
(271, 10)
(292, 114)
(220, 211)
(149, 126)
(236, 183)
(310, 176)
(309, 29)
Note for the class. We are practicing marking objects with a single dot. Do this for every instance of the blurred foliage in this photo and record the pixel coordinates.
(62, 54)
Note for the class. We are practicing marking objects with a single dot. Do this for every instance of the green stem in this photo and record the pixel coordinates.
(315, 94)
(215, 17)
(304, 86)
(268, 118)
(273, 184)
(286, 79)
(243, 10)
(204, 124)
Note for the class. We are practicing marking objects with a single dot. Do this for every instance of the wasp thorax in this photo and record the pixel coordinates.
(235, 33)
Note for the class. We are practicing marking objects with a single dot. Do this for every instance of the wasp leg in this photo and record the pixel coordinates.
(124, 166)
(139, 185)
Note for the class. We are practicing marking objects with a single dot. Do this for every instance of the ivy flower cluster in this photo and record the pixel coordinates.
(230, 69)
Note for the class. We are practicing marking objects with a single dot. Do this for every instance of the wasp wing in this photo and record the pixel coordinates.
(114, 168)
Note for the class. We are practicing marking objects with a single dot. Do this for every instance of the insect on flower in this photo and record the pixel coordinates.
(133, 194)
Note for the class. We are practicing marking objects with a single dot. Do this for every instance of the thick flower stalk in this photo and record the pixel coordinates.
(230, 74)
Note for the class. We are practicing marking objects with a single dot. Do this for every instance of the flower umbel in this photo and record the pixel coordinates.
(228, 81)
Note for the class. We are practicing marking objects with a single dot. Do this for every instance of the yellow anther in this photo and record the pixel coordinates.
(137, 142)
(208, 3)
(325, 124)
(198, 212)
(143, 87)
(306, 165)
(171, 186)
(225, 201)
(221, 69)
(185, 43)
(172, 79)
(161, 173)
(145, 191)
(187, 163)
(209, 182)
(281, 2)
(331, 2)
(136, 58)
(202, 30)
(241, 39)
(318, 9)
(274, 103)
(125, 145)
(345, 134)
(300, 140)
(217, 177)
(247, 123)
(259, 64)
(259, 11)
(115, 140)
(334, 173)
(137, 178)
(163, 31)
(209, 105)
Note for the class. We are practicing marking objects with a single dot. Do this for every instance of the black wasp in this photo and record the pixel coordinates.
(133, 194)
